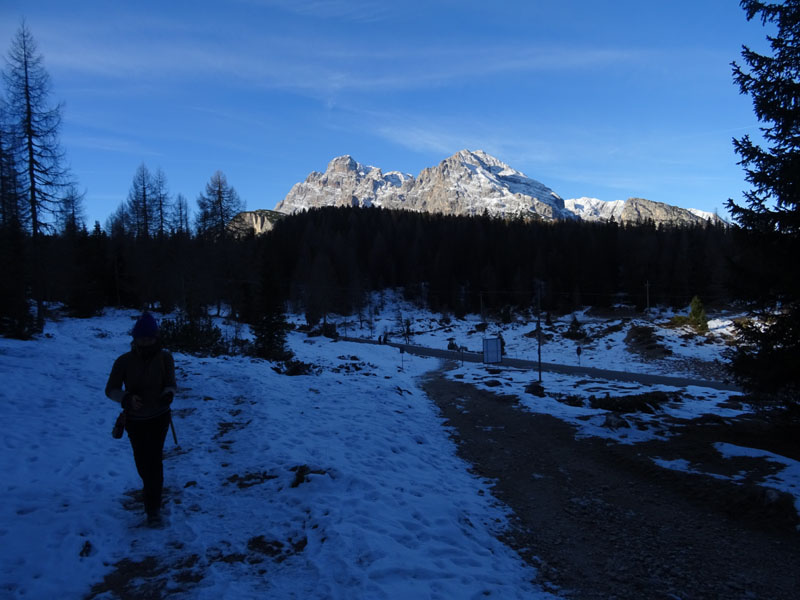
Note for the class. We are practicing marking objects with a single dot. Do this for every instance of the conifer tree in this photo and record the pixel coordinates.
(141, 203)
(35, 125)
(15, 317)
(11, 207)
(270, 327)
(767, 361)
(70, 216)
(697, 315)
(217, 206)
(179, 221)
(161, 204)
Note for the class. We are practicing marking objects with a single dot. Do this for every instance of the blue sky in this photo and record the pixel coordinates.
(601, 99)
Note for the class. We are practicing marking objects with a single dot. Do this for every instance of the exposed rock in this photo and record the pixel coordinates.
(467, 183)
(639, 210)
(474, 183)
(254, 221)
(347, 183)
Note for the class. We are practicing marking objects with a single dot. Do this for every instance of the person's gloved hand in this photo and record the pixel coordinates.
(166, 398)
(131, 402)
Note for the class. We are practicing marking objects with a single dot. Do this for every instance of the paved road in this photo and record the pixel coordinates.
(643, 378)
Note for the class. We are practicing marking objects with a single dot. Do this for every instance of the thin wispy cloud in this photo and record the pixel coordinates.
(443, 137)
(111, 144)
(355, 11)
(422, 139)
(154, 52)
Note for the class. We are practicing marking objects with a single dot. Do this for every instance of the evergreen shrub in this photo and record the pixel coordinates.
(575, 331)
(193, 335)
(697, 319)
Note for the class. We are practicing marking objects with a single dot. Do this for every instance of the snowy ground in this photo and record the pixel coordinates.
(386, 511)
(340, 484)
(605, 348)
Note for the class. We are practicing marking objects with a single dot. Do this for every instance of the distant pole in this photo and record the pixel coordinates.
(647, 294)
(539, 324)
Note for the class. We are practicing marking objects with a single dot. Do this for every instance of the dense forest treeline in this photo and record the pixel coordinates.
(330, 256)
(327, 260)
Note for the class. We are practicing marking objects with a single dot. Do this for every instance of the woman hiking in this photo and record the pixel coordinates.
(143, 382)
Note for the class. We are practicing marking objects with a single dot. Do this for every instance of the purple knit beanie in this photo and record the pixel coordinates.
(146, 326)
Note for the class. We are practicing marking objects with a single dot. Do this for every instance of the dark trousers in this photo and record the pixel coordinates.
(147, 439)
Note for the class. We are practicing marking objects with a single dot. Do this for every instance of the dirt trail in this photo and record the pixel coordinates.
(601, 520)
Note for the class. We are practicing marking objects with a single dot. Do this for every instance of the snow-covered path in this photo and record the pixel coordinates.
(341, 484)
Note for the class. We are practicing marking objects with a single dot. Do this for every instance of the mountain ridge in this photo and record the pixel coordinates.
(468, 183)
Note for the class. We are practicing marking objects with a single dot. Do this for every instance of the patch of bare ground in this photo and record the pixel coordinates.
(645, 341)
(602, 520)
(177, 571)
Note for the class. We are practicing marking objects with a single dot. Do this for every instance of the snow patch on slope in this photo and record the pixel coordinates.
(703, 214)
(594, 209)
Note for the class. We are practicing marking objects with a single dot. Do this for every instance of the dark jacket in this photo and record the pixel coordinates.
(147, 378)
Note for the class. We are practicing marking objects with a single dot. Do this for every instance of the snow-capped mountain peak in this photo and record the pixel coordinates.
(467, 183)
(479, 158)
(343, 164)
(470, 182)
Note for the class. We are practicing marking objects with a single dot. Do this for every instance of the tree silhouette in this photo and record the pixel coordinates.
(217, 206)
(141, 202)
(161, 203)
(35, 125)
(766, 362)
(70, 216)
(11, 199)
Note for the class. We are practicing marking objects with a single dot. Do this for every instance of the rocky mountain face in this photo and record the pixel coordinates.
(467, 183)
(254, 221)
(638, 210)
(347, 183)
